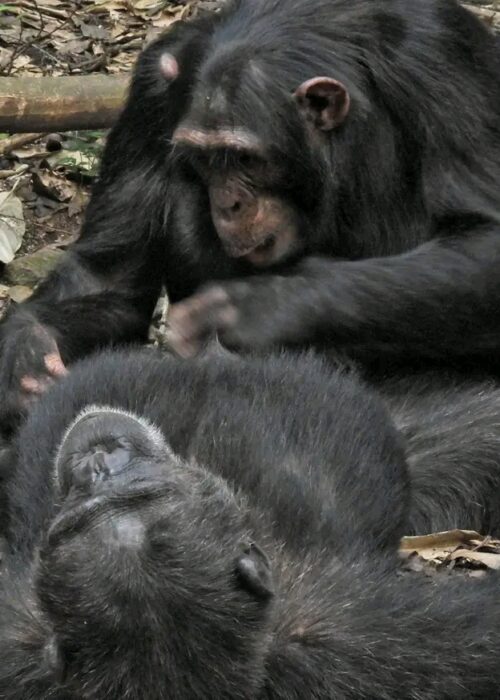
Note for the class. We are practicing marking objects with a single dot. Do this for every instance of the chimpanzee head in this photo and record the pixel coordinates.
(148, 577)
(256, 133)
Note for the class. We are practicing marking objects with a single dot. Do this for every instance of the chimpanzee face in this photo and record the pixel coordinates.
(254, 222)
(254, 144)
(148, 575)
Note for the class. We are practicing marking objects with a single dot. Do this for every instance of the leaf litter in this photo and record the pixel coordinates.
(464, 550)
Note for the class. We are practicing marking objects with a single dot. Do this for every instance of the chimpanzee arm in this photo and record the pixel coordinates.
(94, 316)
(438, 301)
(105, 289)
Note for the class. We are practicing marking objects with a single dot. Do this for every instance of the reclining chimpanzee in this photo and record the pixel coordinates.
(225, 530)
(332, 164)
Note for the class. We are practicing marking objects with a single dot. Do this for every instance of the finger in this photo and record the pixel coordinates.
(202, 314)
(180, 346)
(32, 385)
(41, 333)
(226, 317)
(211, 296)
(55, 365)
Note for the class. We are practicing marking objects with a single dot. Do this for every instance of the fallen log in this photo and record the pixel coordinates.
(44, 104)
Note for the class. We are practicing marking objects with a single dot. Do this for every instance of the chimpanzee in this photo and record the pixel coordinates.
(226, 530)
(332, 164)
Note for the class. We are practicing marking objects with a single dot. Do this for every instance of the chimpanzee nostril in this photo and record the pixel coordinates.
(229, 199)
(225, 199)
(89, 468)
(99, 463)
(102, 444)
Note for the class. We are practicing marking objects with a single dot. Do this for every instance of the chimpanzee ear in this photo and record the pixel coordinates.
(324, 101)
(169, 66)
(179, 52)
(254, 572)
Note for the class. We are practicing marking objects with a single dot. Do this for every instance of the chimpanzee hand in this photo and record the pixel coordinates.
(251, 314)
(29, 362)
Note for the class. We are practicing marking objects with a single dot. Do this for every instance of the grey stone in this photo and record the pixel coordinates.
(20, 293)
(4, 299)
(28, 270)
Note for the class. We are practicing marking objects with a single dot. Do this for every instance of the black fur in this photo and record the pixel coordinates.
(451, 429)
(259, 561)
(234, 416)
(398, 207)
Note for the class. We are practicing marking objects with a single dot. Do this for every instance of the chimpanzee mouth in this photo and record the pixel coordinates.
(262, 254)
(248, 251)
(267, 244)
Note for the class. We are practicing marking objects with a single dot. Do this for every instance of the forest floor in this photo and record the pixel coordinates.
(45, 183)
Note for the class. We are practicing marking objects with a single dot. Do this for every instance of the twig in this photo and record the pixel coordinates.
(41, 35)
(57, 14)
(16, 141)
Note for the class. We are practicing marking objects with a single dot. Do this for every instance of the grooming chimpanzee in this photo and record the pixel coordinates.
(242, 548)
(348, 151)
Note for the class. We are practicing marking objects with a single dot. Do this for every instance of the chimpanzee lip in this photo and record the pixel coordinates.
(266, 244)
(76, 517)
(263, 253)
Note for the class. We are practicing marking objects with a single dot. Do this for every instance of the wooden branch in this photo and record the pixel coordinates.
(8, 145)
(44, 104)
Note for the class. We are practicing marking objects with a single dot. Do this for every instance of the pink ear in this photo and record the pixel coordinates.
(169, 66)
(324, 101)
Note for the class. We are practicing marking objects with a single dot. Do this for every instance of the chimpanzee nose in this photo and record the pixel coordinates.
(230, 200)
(100, 445)
(99, 465)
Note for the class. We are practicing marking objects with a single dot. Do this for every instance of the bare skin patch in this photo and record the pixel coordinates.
(237, 139)
(169, 66)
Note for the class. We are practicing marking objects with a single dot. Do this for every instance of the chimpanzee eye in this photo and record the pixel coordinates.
(199, 163)
(245, 159)
(248, 160)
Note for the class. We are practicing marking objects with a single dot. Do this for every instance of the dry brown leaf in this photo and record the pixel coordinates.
(150, 6)
(74, 46)
(94, 31)
(164, 21)
(118, 29)
(12, 225)
(53, 185)
(488, 559)
(108, 6)
(21, 62)
(464, 548)
(39, 150)
(77, 203)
